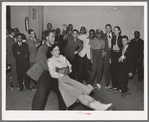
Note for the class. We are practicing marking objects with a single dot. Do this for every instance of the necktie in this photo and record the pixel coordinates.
(109, 36)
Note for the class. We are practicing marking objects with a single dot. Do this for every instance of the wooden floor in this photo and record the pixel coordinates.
(22, 101)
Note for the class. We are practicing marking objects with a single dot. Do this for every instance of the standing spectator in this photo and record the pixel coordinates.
(85, 57)
(73, 47)
(11, 59)
(126, 67)
(33, 44)
(68, 30)
(97, 55)
(108, 41)
(138, 44)
(21, 53)
(115, 54)
(59, 40)
(49, 27)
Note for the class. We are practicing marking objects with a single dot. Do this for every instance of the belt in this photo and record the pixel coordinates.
(116, 50)
(97, 49)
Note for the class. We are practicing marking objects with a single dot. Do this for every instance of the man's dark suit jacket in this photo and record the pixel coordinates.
(129, 63)
(72, 46)
(9, 43)
(60, 41)
(22, 59)
(104, 37)
(138, 47)
(41, 63)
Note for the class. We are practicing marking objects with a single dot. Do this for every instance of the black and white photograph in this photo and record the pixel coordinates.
(74, 61)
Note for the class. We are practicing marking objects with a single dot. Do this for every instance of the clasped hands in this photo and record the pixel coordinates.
(121, 58)
(63, 70)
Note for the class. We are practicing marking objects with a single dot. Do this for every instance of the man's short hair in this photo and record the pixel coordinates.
(75, 31)
(91, 30)
(108, 25)
(11, 30)
(30, 30)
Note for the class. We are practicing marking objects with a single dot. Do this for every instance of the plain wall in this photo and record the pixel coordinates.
(18, 14)
(129, 18)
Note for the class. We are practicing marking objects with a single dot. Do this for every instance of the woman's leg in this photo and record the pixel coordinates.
(92, 103)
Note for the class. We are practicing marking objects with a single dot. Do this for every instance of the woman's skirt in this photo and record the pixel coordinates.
(71, 89)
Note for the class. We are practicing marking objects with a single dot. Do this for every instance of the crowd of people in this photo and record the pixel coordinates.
(72, 63)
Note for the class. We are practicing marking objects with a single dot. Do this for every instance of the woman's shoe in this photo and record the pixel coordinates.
(98, 86)
(101, 106)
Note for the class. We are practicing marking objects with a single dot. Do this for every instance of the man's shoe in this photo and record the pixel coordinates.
(112, 88)
(107, 86)
(33, 88)
(123, 95)
(117, 90)
(11, 86)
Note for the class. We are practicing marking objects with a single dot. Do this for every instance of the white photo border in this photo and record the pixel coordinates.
(74, 115)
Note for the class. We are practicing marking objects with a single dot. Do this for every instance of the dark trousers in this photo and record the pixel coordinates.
(107, 67)
(139, 68)
(122, 79)
(97, 67)
(44, 85)
(84, 69)
(21, 75)
(14, 80)
(114, 67)
(75, 68)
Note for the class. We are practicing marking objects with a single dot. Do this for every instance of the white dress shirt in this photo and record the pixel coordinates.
(109, 39)
(86, 46)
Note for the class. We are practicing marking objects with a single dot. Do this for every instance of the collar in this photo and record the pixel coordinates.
(11, 36)
(48, 44)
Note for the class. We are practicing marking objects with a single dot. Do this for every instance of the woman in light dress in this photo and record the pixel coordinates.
(71, 90)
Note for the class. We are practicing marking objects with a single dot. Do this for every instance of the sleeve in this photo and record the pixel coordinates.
(80, 46)
(32, 48)
(104, 46)
(14, 50)
(69, 65)
(132, 60)
(52, 70)
(43, 60)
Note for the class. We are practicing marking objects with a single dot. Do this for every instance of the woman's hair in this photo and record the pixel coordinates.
(119, 29)
(30, 30)
(50, 49)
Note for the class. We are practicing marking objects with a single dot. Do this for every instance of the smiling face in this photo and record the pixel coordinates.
(49, 26)
(56, 51)
(19, 38)
(108, 29)
(32, 34)
(91, 34)
(124, 41)
(51, 38)
(116, 31)
(75, 34)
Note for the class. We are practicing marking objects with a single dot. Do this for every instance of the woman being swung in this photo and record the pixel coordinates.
(71, 90)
